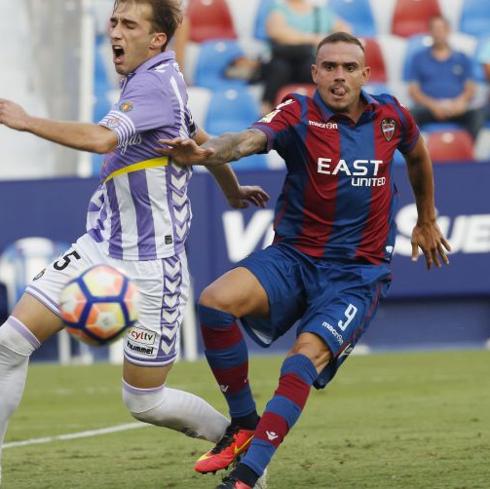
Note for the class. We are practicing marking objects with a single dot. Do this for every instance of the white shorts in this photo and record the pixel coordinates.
(164, 289)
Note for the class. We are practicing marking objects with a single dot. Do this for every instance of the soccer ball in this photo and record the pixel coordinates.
(99, 305)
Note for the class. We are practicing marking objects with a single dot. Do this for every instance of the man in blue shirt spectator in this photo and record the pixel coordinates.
(441, 83)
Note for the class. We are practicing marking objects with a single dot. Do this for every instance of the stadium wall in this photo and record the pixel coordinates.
(442, 308)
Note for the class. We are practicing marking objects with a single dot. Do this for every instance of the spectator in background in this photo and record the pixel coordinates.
(294, 27)
(441, 83)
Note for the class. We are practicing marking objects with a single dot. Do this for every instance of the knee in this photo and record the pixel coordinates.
(314, 348)
(213, 299)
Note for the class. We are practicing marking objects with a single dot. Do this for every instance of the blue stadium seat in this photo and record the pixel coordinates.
(475, 17)
(261, 20)
(357, 13)
(213, 59)
(233, 110)
(377, 88)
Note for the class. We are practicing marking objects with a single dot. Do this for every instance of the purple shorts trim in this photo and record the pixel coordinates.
(22, 329)
(43, 299)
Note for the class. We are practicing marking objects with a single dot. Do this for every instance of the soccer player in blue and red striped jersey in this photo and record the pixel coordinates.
(330, 260)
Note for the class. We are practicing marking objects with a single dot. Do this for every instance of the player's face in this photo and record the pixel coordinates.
(339, 73)
(132, 39)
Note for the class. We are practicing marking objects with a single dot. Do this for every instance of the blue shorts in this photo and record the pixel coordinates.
(336, 301)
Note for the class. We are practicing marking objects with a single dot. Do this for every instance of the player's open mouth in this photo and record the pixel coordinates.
(118, 52)
(338, 90)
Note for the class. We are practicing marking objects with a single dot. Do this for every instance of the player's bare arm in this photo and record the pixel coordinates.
(230, 146)
(76, 135)
(238, 196)
(426, 235)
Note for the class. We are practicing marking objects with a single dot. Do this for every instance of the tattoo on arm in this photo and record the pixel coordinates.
(235, 145)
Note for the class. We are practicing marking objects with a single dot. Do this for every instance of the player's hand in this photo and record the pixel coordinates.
(429, 239)
(184, 152)
(13, 115)
(248, 195)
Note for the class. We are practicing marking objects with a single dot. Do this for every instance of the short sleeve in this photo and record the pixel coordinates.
(410, 131)
(413, 72)
(285, 115)
(144, 105)
(467, 67)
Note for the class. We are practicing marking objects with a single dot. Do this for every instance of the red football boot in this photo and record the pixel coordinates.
(235, 441)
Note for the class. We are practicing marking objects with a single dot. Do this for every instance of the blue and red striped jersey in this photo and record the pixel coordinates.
(338, 197)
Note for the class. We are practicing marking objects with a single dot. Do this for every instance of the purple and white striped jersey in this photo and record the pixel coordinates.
(140, 210)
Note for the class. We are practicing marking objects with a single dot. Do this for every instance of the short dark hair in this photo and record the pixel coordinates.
(340, 37)
(167, 15)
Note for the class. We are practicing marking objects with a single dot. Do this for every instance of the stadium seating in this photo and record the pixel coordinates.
(357, 13)
(199, 99)
(447, 146)
(244, 18)
(230, 110)
(475, 18)
(412, 16)
(260, 31)
(210, 19)
(301, 88)
(374, 59)
(212, 60)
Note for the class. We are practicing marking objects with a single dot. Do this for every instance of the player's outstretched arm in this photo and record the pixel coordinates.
(76, 135)
(426, 234)
(238, 196)
(230, 146)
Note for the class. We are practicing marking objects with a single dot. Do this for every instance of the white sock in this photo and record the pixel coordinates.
(177, 410)
(16, 345)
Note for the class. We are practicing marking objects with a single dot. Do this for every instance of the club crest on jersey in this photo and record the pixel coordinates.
(126, 106)
(388, 127)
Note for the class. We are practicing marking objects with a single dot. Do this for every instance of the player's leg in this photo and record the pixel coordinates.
(235, 294)
(307, 358)
(151, 401)
(34, 319)
(266, 293)
(345, 302)
(30, 324)
(151, 348)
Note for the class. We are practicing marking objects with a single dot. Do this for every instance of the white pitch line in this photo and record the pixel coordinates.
(74, 436)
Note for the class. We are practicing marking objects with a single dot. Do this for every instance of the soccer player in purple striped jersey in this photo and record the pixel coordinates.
(330, 260)
(138, 220)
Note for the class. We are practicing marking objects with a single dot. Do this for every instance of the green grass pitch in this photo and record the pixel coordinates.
(391, 421)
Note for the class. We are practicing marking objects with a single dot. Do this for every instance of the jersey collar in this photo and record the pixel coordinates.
(155, 61)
